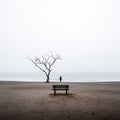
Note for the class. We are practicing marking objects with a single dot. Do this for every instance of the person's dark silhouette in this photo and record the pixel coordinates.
(60, 78)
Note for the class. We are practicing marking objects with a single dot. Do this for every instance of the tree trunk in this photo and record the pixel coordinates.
(47, 81)
(48, 77)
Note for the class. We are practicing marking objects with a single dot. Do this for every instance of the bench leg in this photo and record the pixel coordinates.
(66, 92)
(54, 92)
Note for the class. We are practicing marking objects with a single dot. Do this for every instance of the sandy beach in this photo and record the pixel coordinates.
(36, 101)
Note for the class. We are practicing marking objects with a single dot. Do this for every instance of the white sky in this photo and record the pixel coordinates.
(86, 33)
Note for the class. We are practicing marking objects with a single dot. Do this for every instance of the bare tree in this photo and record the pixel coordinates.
(45, 63)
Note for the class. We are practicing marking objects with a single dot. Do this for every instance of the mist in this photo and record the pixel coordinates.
(85, 34)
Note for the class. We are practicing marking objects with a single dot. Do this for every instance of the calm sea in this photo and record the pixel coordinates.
(66, 77)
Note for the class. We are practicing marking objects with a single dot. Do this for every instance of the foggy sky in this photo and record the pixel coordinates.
(86, 33)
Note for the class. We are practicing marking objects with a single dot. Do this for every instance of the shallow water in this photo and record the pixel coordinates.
(66, 76)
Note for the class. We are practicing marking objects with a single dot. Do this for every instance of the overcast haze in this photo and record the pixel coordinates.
(86, 33)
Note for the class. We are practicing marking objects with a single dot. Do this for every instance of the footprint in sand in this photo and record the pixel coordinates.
(4, 107)
(68, 116)
(93, 113)
(85, 113)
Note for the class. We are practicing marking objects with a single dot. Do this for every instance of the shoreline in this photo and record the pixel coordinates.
(25, 81)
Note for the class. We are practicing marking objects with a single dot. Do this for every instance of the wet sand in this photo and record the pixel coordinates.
(36, 101)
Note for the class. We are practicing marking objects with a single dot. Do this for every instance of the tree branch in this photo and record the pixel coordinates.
(37, 65)
(45, 63)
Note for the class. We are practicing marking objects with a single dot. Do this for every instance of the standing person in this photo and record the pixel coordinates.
(60, 78)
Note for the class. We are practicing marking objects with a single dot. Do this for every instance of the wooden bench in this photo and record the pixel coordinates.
(60, 87)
